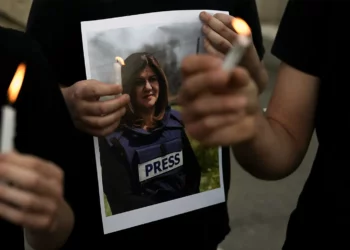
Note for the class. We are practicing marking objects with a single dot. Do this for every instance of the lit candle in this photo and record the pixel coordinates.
(242, 42)
(119, 62)
(8, 121)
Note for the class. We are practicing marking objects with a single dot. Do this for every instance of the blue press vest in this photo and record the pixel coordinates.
(155, 159)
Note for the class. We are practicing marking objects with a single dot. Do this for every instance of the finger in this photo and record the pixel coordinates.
(240, 77)
(219, 105)
(19, 217)
(104, 131)
(30, 180)
(211, 50)
(33, 164)
(25, 200)
(103, 108)
(216, 40)
(198, 63)
(199, 129)
(110, 129)
(222, 27)
(100, 122)
(231, 135)
(225, 19)
(92, 90)
(205, 17)
(215, 81)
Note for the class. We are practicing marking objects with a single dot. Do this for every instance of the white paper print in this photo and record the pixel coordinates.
(149, 169)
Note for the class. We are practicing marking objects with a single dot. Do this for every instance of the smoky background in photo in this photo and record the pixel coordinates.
(169, 45)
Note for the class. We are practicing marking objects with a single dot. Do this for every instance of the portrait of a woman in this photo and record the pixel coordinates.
(148, 159)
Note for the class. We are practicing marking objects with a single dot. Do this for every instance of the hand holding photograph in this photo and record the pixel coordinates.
(149, 169)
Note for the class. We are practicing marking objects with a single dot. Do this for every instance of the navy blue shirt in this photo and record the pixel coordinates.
(55, 24)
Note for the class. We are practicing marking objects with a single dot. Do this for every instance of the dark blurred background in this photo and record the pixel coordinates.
(259, 210)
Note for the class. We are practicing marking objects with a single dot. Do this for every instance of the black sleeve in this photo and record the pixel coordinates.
(299, 37)
(44, 127)
(248, 11)
(55, 25)
(42, 110)
(43, 120)
(192, 167)
(116, 181)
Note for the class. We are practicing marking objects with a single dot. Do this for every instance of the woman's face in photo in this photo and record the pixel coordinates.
(147, 89)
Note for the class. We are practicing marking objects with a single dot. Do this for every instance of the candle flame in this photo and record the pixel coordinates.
(120, 60)
(16, 83)
(241, 27)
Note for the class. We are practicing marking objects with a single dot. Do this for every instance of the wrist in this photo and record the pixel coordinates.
(55, 235)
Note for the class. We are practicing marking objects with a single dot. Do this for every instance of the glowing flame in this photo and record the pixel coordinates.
(120, 60)
(241, 27)
(16, 83)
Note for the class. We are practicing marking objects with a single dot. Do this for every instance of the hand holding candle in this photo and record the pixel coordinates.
(8, 121)
(221, 32)
(97, 107)
(119, 62)
(218, 107)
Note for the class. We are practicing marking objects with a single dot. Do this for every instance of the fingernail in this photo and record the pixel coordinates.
(203, 14)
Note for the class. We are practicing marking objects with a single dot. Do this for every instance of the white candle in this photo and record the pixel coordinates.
(118, 73)
(243, 41)
(8, 127)
(234, 56)
(8, 120)
(119, 62)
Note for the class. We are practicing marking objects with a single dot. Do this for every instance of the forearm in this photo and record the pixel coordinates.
(273, 153)
(43, 240)
(256, 68)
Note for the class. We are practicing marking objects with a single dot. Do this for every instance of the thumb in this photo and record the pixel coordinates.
(93, 89)
(239, 77)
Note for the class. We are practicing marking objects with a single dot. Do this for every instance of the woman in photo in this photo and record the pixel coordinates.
(150, 144)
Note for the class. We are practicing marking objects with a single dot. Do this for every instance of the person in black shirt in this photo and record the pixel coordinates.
(55, 24)
(311, 93)
(31, 183)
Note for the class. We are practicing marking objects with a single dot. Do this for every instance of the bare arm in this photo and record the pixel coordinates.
(256, 69)
(284, 134)
(44, 240)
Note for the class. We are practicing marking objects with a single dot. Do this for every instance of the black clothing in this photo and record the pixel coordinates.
(311, 39)
(55, 24)
(43, 123)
